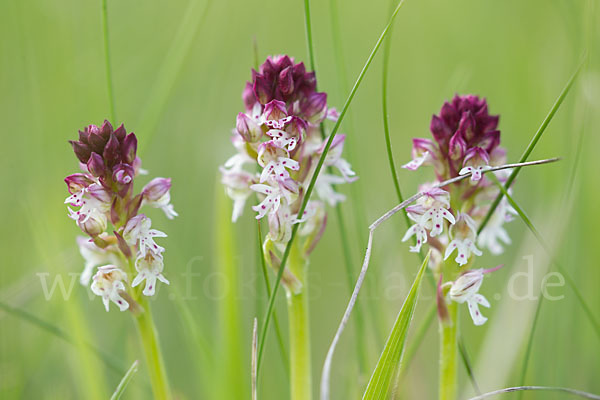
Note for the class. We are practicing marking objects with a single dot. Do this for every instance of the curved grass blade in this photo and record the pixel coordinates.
(389, 361)
(314, 179)
(112, 364)
(125, 381)
(574, 392)
(533, 143)
(462, 349)
(587, 309)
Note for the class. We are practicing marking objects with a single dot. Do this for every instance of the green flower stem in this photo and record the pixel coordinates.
(150, 345)
(448, 354)
(301, 375)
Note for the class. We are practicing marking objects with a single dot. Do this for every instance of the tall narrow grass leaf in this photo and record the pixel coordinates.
(389, 361)
(125, 381)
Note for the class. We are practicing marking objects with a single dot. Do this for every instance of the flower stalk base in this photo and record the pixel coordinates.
(448, 353)
(299, 331)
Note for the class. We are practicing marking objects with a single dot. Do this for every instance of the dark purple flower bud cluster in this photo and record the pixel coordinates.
(464, 135)
(103, 193)
(280, 78)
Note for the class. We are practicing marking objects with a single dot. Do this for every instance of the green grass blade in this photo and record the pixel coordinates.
(386, 123)
(587, 309)
(109, 80)
(112, 364)
(530, 344)
(125, 381)
(389, 361)
(193, 18)
(573, 392)
(360, 334)
(282, 350)
(314, 179)
(462, 349)
(533, 143)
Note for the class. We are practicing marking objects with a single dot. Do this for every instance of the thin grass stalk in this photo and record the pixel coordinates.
(359, 326)
(282, 350)
(358, 204)
(464, 355)
(574, 392)
(299, 331)
(107, 63)
(314, 178)
(125, 381)
(533, 143)
(586, 308)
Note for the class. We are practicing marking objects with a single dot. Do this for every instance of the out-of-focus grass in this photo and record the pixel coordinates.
(52, 77)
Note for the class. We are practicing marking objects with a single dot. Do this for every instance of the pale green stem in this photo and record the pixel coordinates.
(448, 354)
(150, 345)
(300, 360)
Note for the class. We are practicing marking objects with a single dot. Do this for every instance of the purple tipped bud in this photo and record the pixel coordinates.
(97, 142)
(248, 129)
(248, 95)
(286, 81)
(106, 129)
(262, 89)
(467, 126)
(112, 151)
(275, 110)
(77, 182)
(83, 136)
(156, 189)
(123, 174)
(129, 148)
(82, 151)
(440, 131)
(315, 107)
(96, 165)
(120, 133)
(457, 147)
(94, 224)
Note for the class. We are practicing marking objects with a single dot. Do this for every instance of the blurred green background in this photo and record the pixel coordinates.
(179, 68)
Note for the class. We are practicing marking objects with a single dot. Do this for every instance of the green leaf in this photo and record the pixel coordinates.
(125, 381)
(385, 370)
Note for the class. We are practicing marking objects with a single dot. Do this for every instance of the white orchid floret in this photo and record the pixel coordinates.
(150, 269)
(476, 162)
(494, 233)
(108, 283)
(157, 194)
(415, 213)
(424, 152)
(334, 158)
(466, 290)
(93, 256)
(138, 230)
(436, 202)
(94, 202)
(278, 169)
(312, 218)
(237, 185)
(280, 224)
(325, 190)
(273, 195)
(463, 235)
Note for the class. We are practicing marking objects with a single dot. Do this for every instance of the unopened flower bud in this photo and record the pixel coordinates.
(248, 128)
